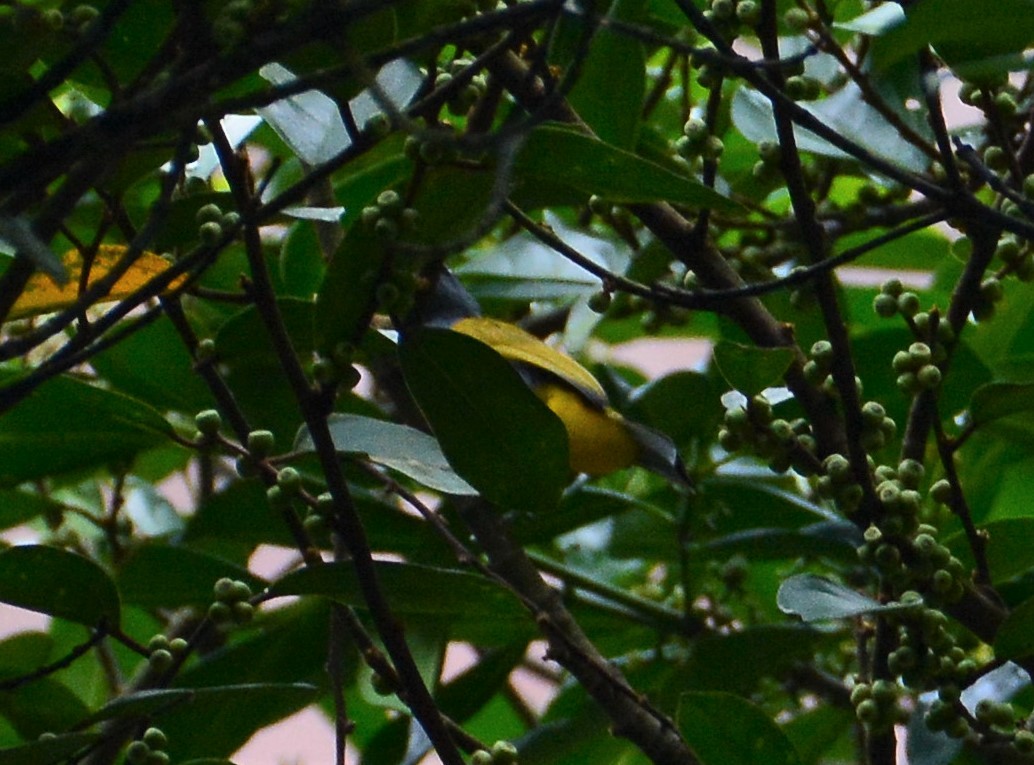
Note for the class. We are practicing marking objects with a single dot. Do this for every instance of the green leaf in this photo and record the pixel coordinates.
(163, 576)
(594, 167)
(723, 729)
(661, 404)
(1009, 552)
(471, 605)
(17, 507)
(67, 425)
(58, 583)
(160, 702)
(962, 32)
(494, 431)
(345, 300)
(57, 749)
(816, 599)
(153, 365)
(1000, 399)
(738, 661)
(879, 20)
(1015, 638)
(400, 447)
(750, 369)
(837, 540)
(608, 93)
(43, 706)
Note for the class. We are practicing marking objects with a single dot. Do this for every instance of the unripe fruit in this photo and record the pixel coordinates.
(389, 201)
(797, 19)
(160, 659)
(992, 290)
(600, 301)
(504, 753)
(136, 753)
(910, 472)
(158, 758)
(289, 479)
(209, 213)
(208, 422)
(868, 712)
(260, 443)
(481, 757)
(908, 303)
(695, 130)
(155, 738)
(223, 589)
(378, 126)
(157, 642)
(240, 590)
(748, 12)
(885, 305)
(178, 646)
(941, 491)
(210, 233)
(929, 377)
(920, 354)
(220, 612)
(386, 229)
(242, 612)
(996, 158)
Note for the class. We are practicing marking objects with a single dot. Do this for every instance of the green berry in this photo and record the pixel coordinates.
(208, 422)
(209, 213)
(996, 158)
(155, 738)
(504, 753)
(205, 350)
(178, 646)
(908, 383)
(695, 130)
(600, 301)
(910, 472)
(868, 712)
(929, 377)
(260, 443)
(410, 219)
(223, 589)
(992, 290)
(873, 413)
(136, 753)
(940, 492)
(386, 229)
(289, 479)
(860, 693)
(160, 659)
(243, 612)
(920, 354)
(892, 287)
(378, 126)
(158, 758)
(748, 12)
(389, 201)
(908, 303)
(885, 305)
(713, 147)
(1023, 740)
(157, 642)
(210, 233)
(220, 612)
(822, 351)
(903, 362)
(370, 215)
(239, 591)
(797, 19)
(481, 757)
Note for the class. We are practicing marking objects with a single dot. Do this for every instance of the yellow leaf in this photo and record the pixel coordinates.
(42, 295)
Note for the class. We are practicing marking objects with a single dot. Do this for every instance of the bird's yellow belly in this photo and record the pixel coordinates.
(598, 439)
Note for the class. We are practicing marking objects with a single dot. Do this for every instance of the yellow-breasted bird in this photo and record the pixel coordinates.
(600, 439)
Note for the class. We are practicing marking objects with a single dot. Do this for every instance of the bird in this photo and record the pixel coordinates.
(600, 439)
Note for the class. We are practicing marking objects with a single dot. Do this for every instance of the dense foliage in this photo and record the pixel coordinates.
(211, 214)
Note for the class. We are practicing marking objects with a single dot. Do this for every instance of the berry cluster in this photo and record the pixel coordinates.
(149, 749)
(781, 443)
(232, 602)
